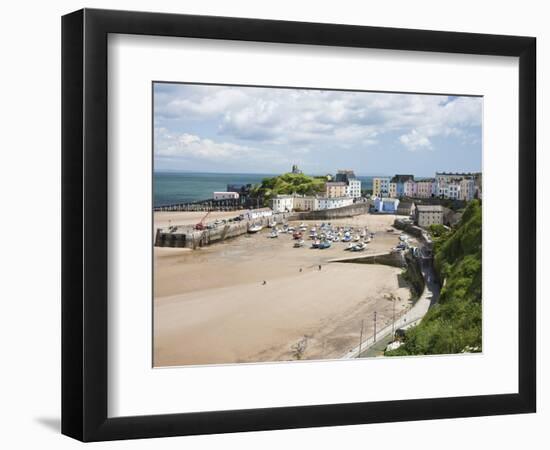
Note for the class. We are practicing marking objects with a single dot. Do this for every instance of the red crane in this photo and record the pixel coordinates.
(200, 225)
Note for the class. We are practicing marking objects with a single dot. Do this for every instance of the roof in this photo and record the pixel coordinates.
(406, 204)
(430, 208)
(402, 178)
(336, 183)
(283, 196)
(345, 175)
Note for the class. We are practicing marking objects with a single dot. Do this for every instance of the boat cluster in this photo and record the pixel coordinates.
(324, 235)
(404, 244)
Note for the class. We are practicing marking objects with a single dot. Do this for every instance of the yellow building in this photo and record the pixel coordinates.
(380, 186)
(335, 189)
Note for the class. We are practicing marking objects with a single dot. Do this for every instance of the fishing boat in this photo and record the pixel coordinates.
(359, 247)
(346, 238)
(255, 228)
(274, 234)
(272, 224)
(297, 235)
(356, 238)
(299, 243)
(324, 244)
(315, 244)
(349, 247)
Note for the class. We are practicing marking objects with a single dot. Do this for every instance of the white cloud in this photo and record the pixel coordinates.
(310, 119)
(415, 140)
(189, 146)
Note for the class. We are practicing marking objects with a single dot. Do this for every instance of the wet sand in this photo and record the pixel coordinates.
(211, 306)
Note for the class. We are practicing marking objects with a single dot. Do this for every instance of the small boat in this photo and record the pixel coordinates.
(299, 243)
(349, 247)
(272, 224)
(274, 234)
(356, 238)
(297, 235)
(316, 244)
(255, 228)
(359, 247)
(324, 244)
(346, 238)
(389, 230)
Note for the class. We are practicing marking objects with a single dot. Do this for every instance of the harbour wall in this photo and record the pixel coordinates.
(187, 237)
(389, 259)
(336, 213)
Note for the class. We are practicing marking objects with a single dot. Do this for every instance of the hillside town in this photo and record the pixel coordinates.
(401, 194)
(427, 201)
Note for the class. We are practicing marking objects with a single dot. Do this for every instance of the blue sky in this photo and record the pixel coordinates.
(237, 129)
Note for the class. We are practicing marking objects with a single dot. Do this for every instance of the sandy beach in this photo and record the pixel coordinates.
(211, 305)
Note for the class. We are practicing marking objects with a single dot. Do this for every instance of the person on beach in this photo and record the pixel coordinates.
(319, 266)
(300, 270)
(264, 283)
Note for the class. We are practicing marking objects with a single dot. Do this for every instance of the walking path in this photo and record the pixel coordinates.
(428, 298)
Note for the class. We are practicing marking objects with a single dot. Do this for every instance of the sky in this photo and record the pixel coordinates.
(235, 129)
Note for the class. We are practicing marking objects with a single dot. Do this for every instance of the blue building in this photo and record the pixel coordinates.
(399, 181)
(386, 205)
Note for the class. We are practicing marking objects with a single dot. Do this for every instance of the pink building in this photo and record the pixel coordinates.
(425, 188)
(409, 188)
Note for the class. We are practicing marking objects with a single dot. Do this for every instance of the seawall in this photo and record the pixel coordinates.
(187, 236)
(336, 213)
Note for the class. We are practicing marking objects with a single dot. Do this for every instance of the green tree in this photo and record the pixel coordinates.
(454, 324)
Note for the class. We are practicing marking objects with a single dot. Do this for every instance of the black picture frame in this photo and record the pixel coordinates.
(84, 224)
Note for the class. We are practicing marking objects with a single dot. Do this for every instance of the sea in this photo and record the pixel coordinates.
(183, 187)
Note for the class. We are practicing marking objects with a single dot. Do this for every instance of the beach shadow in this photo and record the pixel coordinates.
(401, 281)
(52, 423)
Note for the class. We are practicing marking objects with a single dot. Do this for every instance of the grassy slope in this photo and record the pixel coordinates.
(454, 325)
(289, 183)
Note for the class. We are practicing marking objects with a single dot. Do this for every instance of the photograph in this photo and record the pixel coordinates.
(299, 224)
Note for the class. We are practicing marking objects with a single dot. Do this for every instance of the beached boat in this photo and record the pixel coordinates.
(255, 228)
(272, 224)
(274, 234)
(324, 244)
(297, 235)
(299, 243)
(315, 244)
(359, 247)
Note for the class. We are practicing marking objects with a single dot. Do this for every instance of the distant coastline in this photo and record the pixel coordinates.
(183, 187)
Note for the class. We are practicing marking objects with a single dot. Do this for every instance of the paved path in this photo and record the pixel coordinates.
(413, 316)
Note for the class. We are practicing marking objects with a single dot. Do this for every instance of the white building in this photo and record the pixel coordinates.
(226, 195)
(282, 203)
(353, 184)
(303, 203)
(333, 202)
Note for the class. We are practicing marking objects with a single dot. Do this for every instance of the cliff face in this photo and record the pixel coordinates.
(453, 325)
